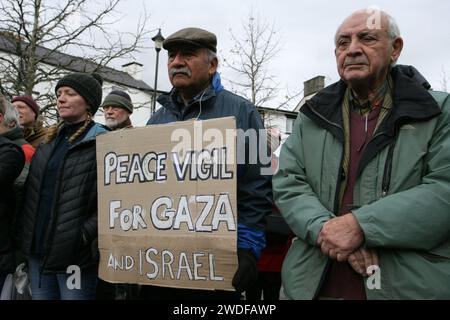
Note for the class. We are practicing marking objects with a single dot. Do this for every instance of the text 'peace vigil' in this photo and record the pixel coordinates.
(201, 165)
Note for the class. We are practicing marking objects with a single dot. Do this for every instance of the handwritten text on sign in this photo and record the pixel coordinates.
(167, 217)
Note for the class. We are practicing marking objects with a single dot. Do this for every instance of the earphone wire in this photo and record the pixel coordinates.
(200, 102)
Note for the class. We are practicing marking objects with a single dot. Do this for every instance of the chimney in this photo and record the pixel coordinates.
(313, 85)
(134, 69)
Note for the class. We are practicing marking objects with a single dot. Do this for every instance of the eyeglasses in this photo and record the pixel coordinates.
(113, 108)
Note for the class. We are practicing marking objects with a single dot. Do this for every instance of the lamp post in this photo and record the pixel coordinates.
(158, 39)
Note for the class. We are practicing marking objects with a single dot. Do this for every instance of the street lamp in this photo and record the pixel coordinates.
(158, 39)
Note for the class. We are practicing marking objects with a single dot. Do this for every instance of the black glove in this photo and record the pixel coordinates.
(247, 272)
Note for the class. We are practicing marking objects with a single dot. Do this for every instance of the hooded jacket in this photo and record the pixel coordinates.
(71, 234)
(254, 191)
(401, 196)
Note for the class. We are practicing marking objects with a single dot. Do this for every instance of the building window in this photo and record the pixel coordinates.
(289, 124)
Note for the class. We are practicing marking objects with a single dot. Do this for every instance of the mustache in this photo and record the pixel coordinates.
(182, 70)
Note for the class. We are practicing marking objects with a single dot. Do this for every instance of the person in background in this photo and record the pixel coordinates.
(117, 108)
(12, 161)
(59, 223)
(9, 128)
(30, 120)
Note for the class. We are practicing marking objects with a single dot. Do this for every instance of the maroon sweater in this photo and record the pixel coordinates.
(341, 281)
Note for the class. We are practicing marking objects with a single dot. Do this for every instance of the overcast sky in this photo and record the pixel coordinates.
(306, 29)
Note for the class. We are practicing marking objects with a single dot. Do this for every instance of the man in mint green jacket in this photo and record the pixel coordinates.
(364, 178)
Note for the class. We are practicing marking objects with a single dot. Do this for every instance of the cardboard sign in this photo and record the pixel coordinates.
(167, 205)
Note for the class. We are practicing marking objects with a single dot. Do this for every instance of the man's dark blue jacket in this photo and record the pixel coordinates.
(254, 191)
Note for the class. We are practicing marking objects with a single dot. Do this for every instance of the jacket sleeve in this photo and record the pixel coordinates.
(417, 218)
(294, 197)
(254, 190)
(89, 230)
(11, 163)
(19, 183)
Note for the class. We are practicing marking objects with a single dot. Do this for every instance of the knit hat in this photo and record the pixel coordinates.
(89, 86)
(29, 101)
(118, 98)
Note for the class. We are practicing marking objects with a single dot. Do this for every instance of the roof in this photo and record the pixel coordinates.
(303, 101)
(77, 64)
(283, 111)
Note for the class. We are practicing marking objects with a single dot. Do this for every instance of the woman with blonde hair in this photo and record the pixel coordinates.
(59, 227)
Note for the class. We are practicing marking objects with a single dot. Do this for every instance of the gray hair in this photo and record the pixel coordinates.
(9, 113)
(393, 29)
(210, 55)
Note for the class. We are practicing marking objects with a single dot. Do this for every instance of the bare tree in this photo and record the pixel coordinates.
(250, 59)
(36, 32)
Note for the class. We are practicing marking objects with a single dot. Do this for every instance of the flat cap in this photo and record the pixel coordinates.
(191, 37)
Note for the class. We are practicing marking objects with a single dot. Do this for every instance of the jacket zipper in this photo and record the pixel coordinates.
(340, 172)
(37, 207)
(336, 205)
(50, 232)
(336, 196)
(387, 170)
(34, 228)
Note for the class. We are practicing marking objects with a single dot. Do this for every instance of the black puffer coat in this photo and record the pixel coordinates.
(71, 236)
(12, 161)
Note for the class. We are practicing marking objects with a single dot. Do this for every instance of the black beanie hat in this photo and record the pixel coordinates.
(89, 86)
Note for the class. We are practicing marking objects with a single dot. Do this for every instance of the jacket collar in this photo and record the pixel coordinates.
(93, 130)
(14, 133)
(412, 103)
(172, 103)
(325, 109)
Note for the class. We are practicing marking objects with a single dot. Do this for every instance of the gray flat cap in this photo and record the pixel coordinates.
(191, 37)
